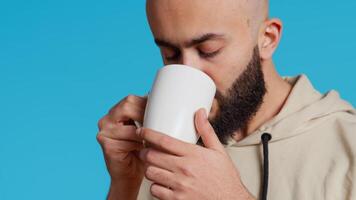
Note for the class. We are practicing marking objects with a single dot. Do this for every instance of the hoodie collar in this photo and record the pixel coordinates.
(303, 104)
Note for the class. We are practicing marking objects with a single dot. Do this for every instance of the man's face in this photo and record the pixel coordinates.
(215, 37)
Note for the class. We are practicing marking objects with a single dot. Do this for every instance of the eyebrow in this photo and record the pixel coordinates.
(192, 42)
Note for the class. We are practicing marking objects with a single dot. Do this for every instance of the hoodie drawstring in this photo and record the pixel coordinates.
(265, 138)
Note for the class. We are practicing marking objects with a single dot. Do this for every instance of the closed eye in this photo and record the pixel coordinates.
(209, 54)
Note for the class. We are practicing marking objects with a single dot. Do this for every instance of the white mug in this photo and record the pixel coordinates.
(177, 93)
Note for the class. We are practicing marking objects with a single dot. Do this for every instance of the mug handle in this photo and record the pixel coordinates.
(138, 124)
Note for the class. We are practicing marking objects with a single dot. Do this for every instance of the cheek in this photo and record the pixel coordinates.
(225, 70)
(223, 75)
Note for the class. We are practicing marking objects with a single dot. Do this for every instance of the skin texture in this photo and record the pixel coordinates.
(217, 37)
(120, 146)
(191, 172)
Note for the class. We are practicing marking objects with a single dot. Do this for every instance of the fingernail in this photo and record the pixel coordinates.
(138, 131)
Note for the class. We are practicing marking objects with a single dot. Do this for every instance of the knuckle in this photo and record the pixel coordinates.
(187, 170)
(130, 98)
(153, 188)
(143, 133)
(101, 122)
(180, 185)
(149, 155)
(184, 185)
(164, 141)
(125, 108)
(150, 172)
(119, 107)
(98, 137)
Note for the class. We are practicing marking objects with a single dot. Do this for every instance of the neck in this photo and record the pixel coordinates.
(273, 101)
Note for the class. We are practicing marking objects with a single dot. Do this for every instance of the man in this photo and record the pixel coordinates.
(312, 141)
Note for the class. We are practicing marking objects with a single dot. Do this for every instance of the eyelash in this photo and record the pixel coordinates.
(202, 54)
(208, 55)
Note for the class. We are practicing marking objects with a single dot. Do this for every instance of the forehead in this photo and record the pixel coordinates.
(181, 19)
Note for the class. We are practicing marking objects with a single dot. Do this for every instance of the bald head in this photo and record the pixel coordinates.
(175, 23)
(251, 12)
(257, 11)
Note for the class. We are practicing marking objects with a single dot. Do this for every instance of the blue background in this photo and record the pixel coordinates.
(63, 64)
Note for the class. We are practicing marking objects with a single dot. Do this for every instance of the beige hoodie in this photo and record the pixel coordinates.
(312, 152)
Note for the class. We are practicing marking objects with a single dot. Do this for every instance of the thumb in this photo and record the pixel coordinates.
(206, 131)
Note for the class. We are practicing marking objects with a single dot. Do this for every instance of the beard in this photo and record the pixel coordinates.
(241, 102)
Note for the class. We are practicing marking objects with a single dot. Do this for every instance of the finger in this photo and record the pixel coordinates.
(159, 159)
(136, 100)
(160, 176)
(131, 107)
(105, 123)
(122, 133)
(206, 131)
(127, 111)
(117, 146)
(164, 142)
(161, 192)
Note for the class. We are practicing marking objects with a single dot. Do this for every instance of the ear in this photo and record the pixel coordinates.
(269, 37)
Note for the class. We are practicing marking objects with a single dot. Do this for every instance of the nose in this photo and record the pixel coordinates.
(192, 60)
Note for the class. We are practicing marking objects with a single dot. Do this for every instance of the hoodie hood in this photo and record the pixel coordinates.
(304, 109)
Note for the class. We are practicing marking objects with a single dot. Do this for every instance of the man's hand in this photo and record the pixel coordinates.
(181, 170)
(120, 146)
